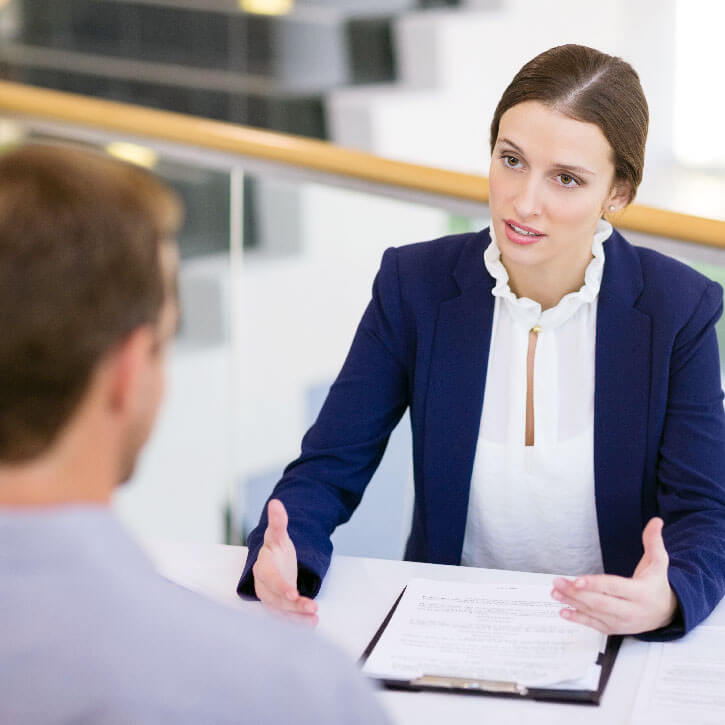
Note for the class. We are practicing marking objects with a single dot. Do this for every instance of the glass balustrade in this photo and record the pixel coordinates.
(277, 267)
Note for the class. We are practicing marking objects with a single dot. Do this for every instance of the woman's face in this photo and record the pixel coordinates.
(551, 178)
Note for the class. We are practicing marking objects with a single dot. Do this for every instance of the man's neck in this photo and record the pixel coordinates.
(78, 468)
(19, 493)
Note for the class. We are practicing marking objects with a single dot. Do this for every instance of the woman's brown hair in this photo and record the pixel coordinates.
(591, 86)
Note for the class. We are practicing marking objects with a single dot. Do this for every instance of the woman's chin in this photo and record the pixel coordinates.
(528, 254)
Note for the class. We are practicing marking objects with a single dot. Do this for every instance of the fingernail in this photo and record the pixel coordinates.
(580, 583)
(565, 613)
(292, 596)
(310, 607)
(556, 595)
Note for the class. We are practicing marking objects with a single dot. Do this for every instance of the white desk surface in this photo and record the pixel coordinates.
(355, 597)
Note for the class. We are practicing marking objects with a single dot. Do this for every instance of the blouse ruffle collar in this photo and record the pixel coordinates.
(530, 312)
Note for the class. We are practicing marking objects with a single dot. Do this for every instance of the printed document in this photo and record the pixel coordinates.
(503, 632)
(684, 681)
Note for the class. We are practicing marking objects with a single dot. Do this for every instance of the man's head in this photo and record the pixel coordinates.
(87, 296)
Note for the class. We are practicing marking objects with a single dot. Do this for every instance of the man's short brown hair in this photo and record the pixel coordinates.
(79, 271)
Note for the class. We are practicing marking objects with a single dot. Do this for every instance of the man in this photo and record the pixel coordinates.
(89, 631)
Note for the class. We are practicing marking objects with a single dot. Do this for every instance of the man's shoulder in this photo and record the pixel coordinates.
(129, 641)
(241, 659)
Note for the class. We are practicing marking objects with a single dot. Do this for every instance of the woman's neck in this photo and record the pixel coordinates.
(547, 284)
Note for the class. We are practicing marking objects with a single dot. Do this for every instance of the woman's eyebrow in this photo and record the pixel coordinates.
(509, 142)
(580, 170)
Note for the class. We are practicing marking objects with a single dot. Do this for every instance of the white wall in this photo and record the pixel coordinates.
(454, 65)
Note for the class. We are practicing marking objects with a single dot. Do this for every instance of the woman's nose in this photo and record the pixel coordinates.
(528, 200)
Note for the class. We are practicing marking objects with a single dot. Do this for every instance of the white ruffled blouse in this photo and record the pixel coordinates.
(532, 508)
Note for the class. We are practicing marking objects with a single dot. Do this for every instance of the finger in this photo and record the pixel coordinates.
(572, 615)
(266, 572)
(654, 545)
(272, 600)
(308, 620)
(615, 586)
(279, 604)
(611, 610)
(276, 531)
(290, 614)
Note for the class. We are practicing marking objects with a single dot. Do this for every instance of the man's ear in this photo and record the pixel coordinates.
(127, 364)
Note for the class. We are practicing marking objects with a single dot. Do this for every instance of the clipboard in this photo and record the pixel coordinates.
(494, 688)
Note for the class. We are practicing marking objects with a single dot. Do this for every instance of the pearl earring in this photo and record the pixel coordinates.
(611, 208)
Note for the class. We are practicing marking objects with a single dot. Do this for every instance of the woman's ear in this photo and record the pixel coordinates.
(619, 196)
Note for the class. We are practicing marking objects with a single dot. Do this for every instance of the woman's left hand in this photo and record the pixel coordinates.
(622, 605)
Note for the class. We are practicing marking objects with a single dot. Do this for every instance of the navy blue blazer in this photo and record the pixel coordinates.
(423, 343)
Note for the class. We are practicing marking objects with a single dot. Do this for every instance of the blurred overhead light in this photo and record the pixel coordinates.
(131, 152)
(11, 133)
(266, 7)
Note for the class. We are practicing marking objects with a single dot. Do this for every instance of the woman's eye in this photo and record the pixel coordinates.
(567, 180)
(511, 161)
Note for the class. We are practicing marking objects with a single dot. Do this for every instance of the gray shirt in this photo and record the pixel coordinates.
(90, 633)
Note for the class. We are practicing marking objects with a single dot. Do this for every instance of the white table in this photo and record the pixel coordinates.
(355, 597)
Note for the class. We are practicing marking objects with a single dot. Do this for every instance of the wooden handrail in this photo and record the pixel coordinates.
(311, 154)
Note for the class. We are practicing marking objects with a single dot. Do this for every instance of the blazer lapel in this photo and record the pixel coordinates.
(621, 404)
(454, 401)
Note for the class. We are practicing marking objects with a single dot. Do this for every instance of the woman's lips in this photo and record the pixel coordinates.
(519, 237)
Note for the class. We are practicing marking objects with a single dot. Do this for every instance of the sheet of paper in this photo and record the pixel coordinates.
(684, 681)
(490, 632)
(589, 681)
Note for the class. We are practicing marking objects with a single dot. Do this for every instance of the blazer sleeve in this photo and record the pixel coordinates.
(691, 469)
(341, 451)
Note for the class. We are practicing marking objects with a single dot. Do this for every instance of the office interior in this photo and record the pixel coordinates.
(277, 265)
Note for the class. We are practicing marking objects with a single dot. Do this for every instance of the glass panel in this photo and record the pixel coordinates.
(231, 422)
(303, 291)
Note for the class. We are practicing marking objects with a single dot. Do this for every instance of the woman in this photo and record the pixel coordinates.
(598, 449)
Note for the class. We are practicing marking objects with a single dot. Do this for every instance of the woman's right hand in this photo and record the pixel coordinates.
(275, 571)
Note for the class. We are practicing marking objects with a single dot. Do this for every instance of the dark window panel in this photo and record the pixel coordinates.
(251, 217)
(438, 3)
(205, 193)
(96, 27)
(301, 115)
(251, 44)
(168, 35)
(71, 83)
(370, 50)
(47, 23)
(193, 101)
